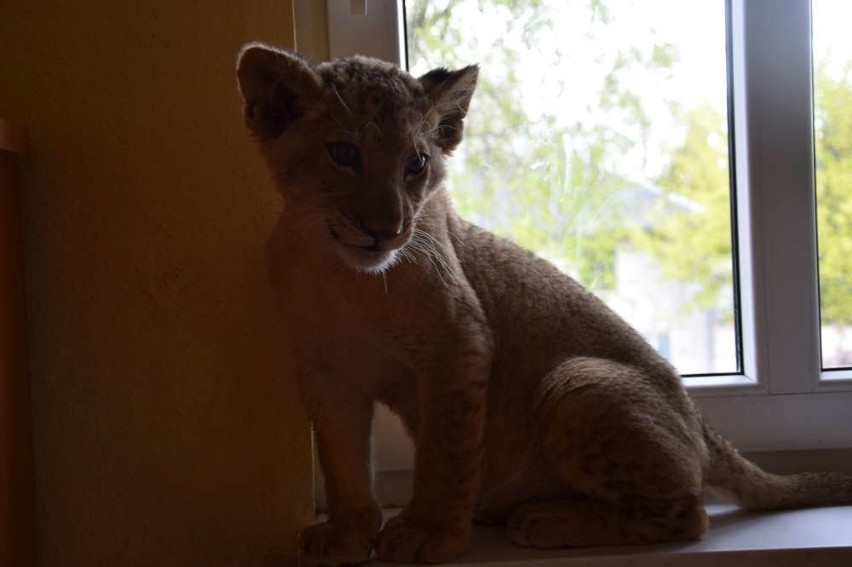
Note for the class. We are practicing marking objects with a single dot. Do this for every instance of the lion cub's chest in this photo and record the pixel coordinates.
(342, 324)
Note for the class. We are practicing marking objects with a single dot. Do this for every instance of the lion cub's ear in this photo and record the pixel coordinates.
(450, 92)
(277, 87)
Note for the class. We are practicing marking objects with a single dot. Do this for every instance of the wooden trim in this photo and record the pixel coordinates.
(16, 449)
(13, 137)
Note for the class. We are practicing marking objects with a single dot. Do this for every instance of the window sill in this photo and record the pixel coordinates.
(794, 538)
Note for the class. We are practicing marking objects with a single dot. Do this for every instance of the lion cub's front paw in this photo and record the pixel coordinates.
(328, 544)
(406, 540)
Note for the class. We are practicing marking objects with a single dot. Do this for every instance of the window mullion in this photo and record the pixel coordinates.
(773, 98)
(371, 28)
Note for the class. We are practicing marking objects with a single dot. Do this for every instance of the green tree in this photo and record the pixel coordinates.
(693, 243)
(689, 233)
(833, 148)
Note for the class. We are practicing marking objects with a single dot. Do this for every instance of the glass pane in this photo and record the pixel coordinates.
(598, 137)
(832, 52)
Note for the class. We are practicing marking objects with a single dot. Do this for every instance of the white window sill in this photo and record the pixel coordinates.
(814, 537)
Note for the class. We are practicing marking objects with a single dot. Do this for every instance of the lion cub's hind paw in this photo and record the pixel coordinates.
(533, 526)
(586, 523)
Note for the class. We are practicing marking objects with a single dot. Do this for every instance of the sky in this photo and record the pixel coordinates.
(831, 33)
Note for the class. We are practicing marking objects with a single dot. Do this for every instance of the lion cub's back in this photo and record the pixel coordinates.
(539, 315)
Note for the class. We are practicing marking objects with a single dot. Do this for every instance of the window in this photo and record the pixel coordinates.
(774, 392)
(832, 53)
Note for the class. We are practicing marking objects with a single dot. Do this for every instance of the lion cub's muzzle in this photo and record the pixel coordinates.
(372, 249)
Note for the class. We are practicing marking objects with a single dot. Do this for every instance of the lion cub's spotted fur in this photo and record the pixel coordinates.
(529, 401)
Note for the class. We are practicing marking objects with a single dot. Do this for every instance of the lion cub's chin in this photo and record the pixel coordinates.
(369, 261)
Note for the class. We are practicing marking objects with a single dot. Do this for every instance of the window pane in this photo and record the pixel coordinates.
(832, 52)
(598, 137)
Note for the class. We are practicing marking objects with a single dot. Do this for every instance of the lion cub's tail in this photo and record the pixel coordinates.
(753, 488)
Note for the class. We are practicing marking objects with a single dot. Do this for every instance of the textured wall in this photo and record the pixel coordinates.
(165, 432)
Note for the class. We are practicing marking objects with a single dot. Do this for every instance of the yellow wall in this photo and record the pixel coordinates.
(165, 431)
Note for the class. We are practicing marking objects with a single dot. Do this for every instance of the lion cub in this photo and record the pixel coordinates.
(529, 401)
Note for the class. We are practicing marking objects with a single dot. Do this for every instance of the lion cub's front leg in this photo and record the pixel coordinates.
(341, 417)
(436, 525)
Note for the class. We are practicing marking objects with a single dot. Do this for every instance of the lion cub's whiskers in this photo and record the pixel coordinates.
(424, 243)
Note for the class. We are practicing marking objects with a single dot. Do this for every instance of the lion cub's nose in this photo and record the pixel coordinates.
(383, 231)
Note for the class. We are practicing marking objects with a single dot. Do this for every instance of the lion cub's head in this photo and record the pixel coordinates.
(356, 146)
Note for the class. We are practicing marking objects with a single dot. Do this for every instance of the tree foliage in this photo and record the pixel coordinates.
(833, 148)
(692, 242)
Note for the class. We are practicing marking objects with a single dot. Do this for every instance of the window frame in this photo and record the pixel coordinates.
(782, 399)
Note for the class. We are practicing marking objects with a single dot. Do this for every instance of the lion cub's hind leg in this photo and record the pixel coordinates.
(616, 442)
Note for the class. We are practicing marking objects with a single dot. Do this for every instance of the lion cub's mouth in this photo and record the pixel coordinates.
(372, 258)
(370, 248)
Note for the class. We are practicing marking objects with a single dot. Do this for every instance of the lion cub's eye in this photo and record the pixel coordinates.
(416, 164)
(344, 154)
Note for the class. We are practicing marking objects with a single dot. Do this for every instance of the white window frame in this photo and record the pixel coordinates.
(782, 400)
